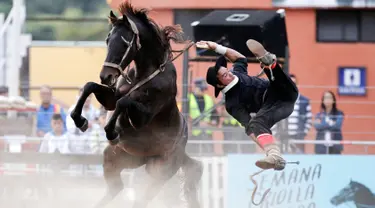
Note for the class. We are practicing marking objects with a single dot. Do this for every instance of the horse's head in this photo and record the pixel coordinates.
(131, 31)
(347, 193)
(123, 43)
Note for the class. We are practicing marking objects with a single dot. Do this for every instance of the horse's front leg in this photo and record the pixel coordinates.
(104, 95)
(137, 112)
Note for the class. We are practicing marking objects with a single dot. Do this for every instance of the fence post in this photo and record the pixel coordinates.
(185, 82)
(2, 54)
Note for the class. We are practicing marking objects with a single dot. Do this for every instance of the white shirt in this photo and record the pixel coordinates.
(97, 140)
(52, 142)
(328, 134)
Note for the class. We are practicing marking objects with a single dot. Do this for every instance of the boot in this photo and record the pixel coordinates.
(267, 59)
(273, 159)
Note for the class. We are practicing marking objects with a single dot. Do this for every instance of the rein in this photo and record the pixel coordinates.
(160, 69)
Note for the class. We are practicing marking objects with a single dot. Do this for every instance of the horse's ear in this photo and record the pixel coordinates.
(125, 20)
(112, 17)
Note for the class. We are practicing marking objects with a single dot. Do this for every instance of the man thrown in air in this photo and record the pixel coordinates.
(272, 100)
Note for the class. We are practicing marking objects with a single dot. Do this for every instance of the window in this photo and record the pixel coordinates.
(345, 26)
(368, 26)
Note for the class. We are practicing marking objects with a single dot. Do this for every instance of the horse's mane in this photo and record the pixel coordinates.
(163, 34)
(361, 185)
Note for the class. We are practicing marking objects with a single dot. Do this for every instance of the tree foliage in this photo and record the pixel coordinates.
(64, 30)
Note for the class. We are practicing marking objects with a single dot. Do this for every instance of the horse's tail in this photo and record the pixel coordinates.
(174, 33)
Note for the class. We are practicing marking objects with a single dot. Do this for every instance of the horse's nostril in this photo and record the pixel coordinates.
(106, 80)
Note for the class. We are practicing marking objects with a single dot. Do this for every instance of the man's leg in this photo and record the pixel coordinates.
(259, 130)
(287, 90)
(279, 105)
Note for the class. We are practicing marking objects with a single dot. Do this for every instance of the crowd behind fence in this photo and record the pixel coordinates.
(20, 117)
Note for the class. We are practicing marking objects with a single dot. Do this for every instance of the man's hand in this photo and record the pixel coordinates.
(206, 44)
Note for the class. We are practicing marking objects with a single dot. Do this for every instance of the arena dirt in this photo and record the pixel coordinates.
(73, 189)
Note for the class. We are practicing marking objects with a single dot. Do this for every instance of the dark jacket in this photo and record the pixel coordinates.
(246, 96)
(304, 120)
(335, 131)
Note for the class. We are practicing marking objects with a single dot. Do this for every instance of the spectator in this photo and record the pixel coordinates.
(56, 140)
(80, 140)
(4, 91)
(3, 100)
(328, 124)
(297, 125)
(46, 110)
(98, 141)
(200, 102)
(88, 111)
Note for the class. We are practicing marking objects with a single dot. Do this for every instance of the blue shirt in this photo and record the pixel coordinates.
(44, 116)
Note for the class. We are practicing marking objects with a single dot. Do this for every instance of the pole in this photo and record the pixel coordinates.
(185, 84)
(13, 79)
(13, 47)
(2, 54)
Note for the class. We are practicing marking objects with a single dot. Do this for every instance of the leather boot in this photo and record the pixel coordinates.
(266, 58)
(273, 159)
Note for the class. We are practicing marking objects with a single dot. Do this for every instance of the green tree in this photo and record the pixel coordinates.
(57, 30)
(5, 6)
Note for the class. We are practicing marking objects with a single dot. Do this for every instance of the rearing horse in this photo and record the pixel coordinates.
(145, 124)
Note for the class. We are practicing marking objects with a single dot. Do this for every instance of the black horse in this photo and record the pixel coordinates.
(357, 193)
(145, 127)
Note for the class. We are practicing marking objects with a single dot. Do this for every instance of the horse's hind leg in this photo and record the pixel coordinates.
(103, 94)
(114, 162)
(192, 171)
(161, 170)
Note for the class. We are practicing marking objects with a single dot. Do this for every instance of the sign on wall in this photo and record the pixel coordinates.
(352, 81)
(319, 181)
(324, 3)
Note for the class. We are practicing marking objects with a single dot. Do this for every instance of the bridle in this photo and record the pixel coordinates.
(124, 73)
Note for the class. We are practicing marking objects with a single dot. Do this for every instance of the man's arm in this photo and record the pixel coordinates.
(231, 54)
(238, 112)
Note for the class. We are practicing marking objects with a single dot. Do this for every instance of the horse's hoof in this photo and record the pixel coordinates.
(112, 136)
(85, 126)
(114, 141)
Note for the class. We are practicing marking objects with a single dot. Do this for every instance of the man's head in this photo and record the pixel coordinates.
(46, 94)
(219, 75)
(4, 91)
(200, 86)
(57, 124)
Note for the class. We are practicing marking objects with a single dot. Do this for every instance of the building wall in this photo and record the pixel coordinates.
(64, 67)
(317, 64)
